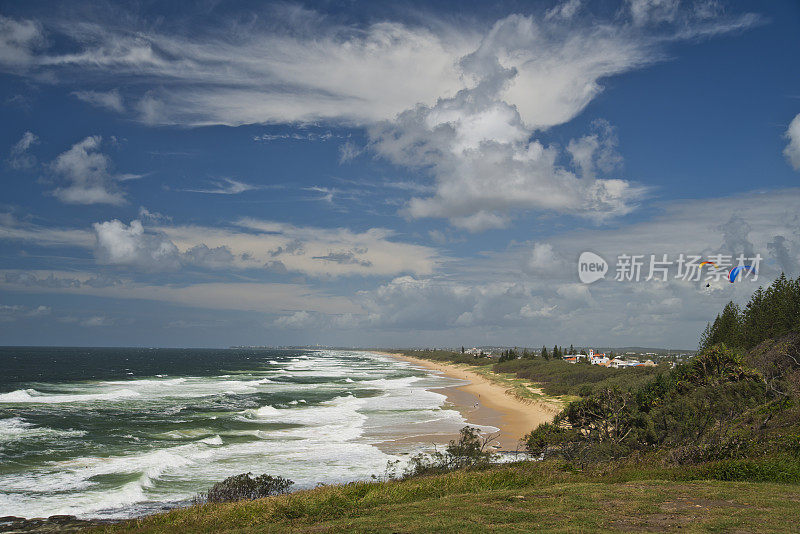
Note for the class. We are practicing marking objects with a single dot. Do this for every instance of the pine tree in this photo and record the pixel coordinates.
(544, 353)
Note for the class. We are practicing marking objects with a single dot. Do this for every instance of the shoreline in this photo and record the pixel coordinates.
(496, 406)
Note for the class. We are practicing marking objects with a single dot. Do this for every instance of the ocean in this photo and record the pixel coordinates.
(123, 432)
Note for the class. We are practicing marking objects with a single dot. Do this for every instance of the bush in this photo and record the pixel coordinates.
(698, 410)
(245, 487)
(469, 450)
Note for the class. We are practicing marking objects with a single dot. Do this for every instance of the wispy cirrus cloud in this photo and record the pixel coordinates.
(110, 100)
(19, 156)
(226, 186)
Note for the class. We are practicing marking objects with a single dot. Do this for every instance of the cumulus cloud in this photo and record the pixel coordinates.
(544, 261)
(132, 246)
(19, 156)
(86, 173)
(121, 244)
(478, 143)
(792, 150)
(110, 100)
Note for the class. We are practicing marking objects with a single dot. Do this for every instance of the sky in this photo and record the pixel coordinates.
(391, 174)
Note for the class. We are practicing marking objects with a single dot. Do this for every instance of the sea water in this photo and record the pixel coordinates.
(126, 432)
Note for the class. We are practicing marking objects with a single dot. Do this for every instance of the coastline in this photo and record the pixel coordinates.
(496, 405)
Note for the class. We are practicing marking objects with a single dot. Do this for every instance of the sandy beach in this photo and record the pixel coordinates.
(497, 407)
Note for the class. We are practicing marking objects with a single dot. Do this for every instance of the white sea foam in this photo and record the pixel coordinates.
(215, 440)
(32, 396)
(16, 428)
(327, 442)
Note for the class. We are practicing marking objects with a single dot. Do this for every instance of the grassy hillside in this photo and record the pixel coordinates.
(548, 496)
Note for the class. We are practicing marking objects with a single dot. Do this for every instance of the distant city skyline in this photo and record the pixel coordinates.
(389, 173)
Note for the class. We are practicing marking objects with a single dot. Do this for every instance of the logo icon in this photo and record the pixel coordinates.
(591, 267)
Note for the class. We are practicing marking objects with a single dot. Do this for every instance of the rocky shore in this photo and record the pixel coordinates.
(54, 523)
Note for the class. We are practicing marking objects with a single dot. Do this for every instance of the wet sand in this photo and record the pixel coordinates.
(496, 407)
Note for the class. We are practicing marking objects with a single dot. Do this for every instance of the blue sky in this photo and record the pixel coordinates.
(396, 174)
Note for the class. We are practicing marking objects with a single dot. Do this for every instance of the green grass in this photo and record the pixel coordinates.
(523, 497)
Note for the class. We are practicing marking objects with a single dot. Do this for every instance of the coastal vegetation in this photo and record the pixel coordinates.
(245, 487)
(739, 398)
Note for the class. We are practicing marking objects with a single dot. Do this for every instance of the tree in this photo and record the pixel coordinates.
(571, 350)
(769, 314)
(462, 349)
(544, 353)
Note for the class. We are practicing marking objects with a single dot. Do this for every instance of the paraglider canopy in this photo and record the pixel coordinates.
(738, 269)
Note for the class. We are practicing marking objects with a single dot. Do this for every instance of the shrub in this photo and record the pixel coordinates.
(468, 450)
(245, 487)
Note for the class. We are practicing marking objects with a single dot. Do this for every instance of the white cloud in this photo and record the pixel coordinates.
(302, 70)
(110, 100)
(348, 152)
(147, 215)
(653, 11)
(263, 245)
(19, 40)
(792, 150)
(87, 173)
(227, 186)
(131, 246)
(476, 146)
(249, 244)
(20, 157)
(297, 66)
(120, 244)
(543, 260)
(464, 103)
(564, 10)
